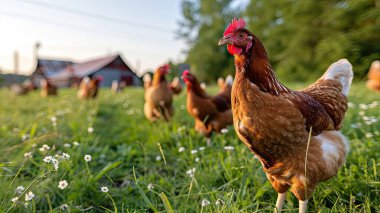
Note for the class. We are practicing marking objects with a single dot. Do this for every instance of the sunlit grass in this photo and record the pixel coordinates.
(128, 154)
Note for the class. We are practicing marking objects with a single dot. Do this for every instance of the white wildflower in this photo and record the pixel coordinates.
(25, 137)
(158, 158)
(14, 200)
(87, 158)
(224, 130)
(63, 184)
(219, 202)
(205, 202)
(181, 129)
(104, 189)
(44, 148)
(75, 143)
(53, 119)
(67, 145)
(229, 148)
(201, 148)
(182, 107)
(150, 187)
(197, 159)
(373, 104)
(351, 105)
(361, 113)
(363, 106)
(191, 172)
(90, 129)
(28, 155)
(48, 159)
(29, 196)
(181, 149)
(65, 156)
(368, 135)
(19, 189)
(194, 151)
(55, 163)
(64, 207)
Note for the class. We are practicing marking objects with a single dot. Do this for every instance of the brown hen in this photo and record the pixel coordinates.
(274, 121)
(158, 96)
(47, 88)
(89, 87)
(210, 113)
(373, 82)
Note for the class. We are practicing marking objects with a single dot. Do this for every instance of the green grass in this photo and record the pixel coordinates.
(126, 157)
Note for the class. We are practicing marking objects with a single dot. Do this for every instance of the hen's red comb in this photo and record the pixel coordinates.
(234, 25)
(185, 72)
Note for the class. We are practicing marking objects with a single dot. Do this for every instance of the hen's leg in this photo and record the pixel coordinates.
(302, 206)
(280, 202)
(281, 190)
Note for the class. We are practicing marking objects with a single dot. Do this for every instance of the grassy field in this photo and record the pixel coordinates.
(160, 166)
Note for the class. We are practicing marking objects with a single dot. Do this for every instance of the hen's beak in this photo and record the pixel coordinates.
(225, 40)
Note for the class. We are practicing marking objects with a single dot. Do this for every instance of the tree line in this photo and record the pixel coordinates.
(302, 37)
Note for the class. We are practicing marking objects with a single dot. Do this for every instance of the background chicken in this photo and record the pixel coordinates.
(158, 96)
(88, 87)
(210, 113)
(47, 88)
(176, 86)
(23, 88)
(373, 82)
(225, 87)
(274, 121)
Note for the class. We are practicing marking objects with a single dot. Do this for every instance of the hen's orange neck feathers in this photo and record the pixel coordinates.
(158, 77)
(192, 84)
(256, 66)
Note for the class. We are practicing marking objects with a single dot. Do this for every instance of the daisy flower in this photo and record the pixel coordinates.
(29, 196)
(87, 158)
(63, 184)
(104, 189)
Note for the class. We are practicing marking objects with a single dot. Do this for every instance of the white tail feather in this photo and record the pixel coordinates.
(342, 72)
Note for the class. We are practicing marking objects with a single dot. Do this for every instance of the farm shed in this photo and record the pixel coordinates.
(66, 73)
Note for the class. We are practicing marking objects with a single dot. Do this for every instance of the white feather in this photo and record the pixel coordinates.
(342, 72)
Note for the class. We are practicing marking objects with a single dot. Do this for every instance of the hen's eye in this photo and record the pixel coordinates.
(241, 35)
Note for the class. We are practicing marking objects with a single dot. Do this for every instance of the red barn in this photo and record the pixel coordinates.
(66, 73)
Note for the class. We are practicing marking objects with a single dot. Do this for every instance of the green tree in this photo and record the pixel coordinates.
(304, 37)
(203, 24)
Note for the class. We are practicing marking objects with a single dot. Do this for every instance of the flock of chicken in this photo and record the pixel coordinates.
(211, 113)
(294, 134)
(88, 87)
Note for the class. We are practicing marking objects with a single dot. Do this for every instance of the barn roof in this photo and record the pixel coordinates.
(50, 67)
(88, 67)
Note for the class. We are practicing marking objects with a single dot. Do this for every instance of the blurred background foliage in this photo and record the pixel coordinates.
(302, 37)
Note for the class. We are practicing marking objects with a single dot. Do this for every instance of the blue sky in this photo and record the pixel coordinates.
(146, 37)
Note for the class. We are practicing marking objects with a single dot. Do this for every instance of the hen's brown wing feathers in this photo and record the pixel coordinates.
(313, 112)
(221, 103)
(329, 94)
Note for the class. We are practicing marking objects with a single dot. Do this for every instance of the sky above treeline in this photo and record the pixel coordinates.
(143, 32)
